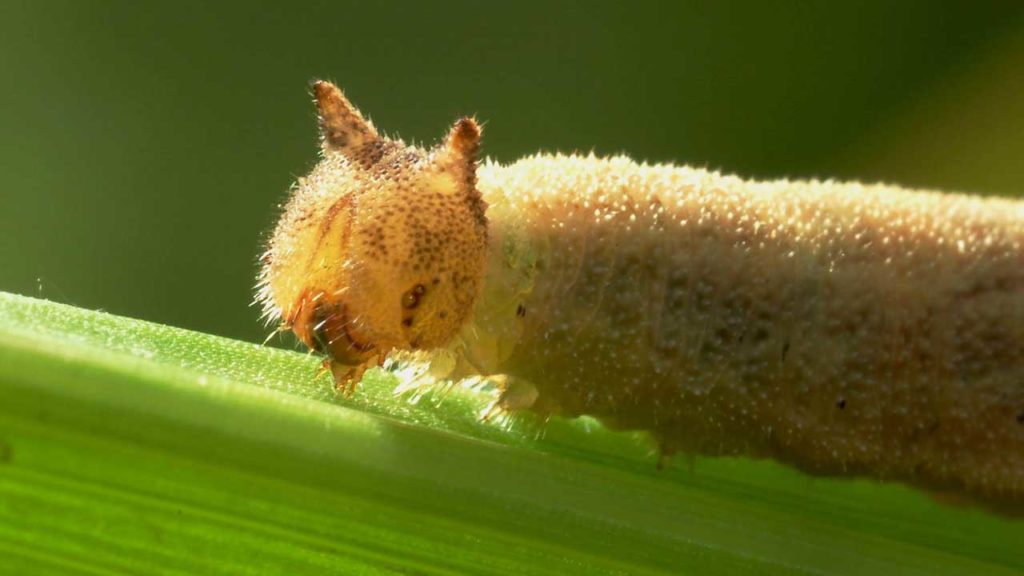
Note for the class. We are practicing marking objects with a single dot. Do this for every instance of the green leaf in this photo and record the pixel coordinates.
(129, 447)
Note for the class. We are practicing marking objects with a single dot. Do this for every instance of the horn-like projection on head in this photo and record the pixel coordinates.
(342, 128)
(459, 150)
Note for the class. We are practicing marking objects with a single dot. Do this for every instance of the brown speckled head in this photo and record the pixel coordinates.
(381, 246)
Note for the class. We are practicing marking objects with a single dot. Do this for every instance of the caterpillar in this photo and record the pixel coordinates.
(840, 328)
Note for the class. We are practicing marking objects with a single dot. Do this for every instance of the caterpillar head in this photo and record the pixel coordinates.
(382, 245)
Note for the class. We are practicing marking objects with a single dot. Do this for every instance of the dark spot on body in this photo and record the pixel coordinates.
(785, 351)
(442, 314)
(407, 322)
(841, 403)
(1020, 418)
(521, 311)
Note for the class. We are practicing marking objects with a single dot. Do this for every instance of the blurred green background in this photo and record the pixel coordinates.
(145, 148)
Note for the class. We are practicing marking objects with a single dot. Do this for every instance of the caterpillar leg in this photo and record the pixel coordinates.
(348, 376)
(418, 371)
(514, 394)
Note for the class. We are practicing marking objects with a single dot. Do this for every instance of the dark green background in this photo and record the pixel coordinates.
(144, 149)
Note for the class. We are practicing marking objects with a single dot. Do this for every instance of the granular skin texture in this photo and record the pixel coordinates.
(837, 327)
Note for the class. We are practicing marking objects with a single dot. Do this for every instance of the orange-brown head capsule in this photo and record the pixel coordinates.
(382, 245)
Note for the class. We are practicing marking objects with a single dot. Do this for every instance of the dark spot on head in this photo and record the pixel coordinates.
(521, 311)
(841, 403)
(411, 299)
(372, 152)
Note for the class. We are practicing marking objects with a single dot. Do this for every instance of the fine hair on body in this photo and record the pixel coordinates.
(840, 328)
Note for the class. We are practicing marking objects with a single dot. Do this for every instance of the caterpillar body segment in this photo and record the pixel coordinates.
(837, 327)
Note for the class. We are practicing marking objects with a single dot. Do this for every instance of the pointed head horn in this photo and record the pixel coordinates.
(460, 149)
(342, 128)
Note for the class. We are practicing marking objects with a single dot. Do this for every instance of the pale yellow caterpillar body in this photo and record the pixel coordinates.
(837, 327)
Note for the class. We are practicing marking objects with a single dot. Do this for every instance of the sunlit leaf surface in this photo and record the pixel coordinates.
(129, 447)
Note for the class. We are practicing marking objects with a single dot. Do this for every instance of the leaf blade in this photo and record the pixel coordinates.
(134, 446)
